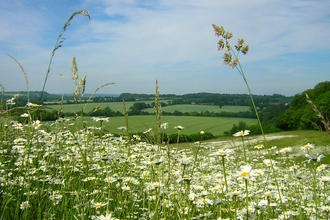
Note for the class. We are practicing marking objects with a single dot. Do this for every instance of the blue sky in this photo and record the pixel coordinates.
(133, 43)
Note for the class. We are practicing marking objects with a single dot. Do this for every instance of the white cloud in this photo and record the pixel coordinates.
(134, 42)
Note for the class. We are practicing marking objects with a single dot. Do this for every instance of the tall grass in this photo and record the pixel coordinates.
(59, 41)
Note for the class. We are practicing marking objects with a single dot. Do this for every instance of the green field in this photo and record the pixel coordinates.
(200, 108)
(115, 106)
(215, 125)
(118, 106)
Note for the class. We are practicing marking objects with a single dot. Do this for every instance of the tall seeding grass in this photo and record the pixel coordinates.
(70, 173)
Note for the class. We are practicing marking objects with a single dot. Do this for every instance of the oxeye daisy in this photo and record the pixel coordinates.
(259, 146)
(245, 171)
(36, 124)
(286, 150)
(164, 125)
(242, 133)
(222, 152)
(24, 205)
(98, 119)
(98, 205)
(179, 127)
(108, 216)
(24, 115)
(308, 147)
(321, 167)
(269, 162)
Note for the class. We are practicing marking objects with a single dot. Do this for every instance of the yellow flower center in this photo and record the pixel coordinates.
(245, 174)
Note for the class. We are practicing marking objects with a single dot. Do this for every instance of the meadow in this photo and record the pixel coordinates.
(118, 106)
(193, 125)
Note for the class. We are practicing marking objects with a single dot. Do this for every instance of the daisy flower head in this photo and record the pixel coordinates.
(326, 209)
(10, 101)
(24, 205)
(308, 147)
(36, 124)
(259, 146)
(98, 205)
(321, 167)
(24, 115)
(29, 104)
(222, 152)
(98, 119)
(242, 133)
(179, 127)
(314, 158)
(164, 125)
(122, 128)
(137, 137)
(325, 179)
(245, 171)
(108, 216)
(269, 162)
(286, 150)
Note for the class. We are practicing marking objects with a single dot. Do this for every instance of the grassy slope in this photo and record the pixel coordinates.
(294, 139)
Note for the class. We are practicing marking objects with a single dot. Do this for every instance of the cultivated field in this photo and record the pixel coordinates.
(193, 125)
(115, 106)
(118, 106)
(200, 108)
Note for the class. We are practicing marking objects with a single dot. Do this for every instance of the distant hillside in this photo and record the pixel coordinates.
(211, 98)
(171, 99)
(300, 114)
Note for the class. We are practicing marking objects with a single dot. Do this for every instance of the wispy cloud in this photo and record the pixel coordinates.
(133, 43)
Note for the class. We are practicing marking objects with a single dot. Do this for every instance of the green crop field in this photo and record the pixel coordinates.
(200, 108)
(215, 125)
(115, 106)
(118, 106)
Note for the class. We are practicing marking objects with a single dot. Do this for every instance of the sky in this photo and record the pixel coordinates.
(133, 43)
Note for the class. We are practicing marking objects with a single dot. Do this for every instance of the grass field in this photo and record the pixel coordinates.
(115, 106)
(118, 106)
(192, 124)
(200, 108)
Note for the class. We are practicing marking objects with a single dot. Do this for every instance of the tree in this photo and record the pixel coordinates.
(300, 114)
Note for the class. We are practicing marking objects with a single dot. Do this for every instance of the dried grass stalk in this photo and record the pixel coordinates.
(324, 120)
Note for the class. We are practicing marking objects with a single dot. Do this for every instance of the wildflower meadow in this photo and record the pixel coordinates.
(68, 169)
